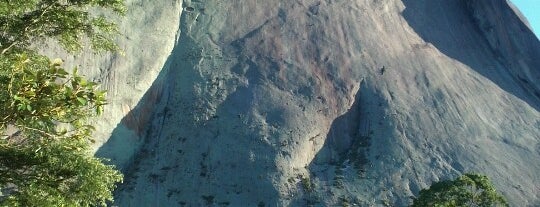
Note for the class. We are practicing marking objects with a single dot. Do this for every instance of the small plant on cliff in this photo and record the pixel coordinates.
(466, 190)
(306, 183)
(45, 156)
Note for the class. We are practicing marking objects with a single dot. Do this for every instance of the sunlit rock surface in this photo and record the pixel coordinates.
(319, 102)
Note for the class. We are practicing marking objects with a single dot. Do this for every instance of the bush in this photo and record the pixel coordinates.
(466, 190)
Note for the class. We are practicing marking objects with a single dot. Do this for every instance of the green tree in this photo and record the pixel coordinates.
(67, 21)
(467, 190)
(45, 155)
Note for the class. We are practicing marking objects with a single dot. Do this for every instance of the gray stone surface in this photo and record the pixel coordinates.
(366, 101)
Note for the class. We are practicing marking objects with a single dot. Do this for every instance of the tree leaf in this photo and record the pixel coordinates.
(82, 101)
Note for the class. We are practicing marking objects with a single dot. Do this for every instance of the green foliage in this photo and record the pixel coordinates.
(45, 157)
(68, 21)
(58, 172)
(466, 190)
(40, 95)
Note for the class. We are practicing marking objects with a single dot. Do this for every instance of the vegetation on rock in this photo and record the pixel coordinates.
(45, 157)
(466, 190)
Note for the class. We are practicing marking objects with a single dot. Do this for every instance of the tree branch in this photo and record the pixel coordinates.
(25, 30)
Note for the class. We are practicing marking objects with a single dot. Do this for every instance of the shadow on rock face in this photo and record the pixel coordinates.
(344, 130)
(349, 138)
(129, 135)
(171, 158)
(454, 30)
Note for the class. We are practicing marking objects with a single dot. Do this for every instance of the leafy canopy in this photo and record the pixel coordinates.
(45, 156)
(467, 190)
(68, 21)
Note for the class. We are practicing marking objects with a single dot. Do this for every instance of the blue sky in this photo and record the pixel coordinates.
(531, 10)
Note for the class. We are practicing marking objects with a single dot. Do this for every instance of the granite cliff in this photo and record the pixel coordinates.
(319, 102)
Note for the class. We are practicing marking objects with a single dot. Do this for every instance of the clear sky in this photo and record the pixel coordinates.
(531, 10)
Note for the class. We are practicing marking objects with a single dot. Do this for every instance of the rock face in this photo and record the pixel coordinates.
(320, 102)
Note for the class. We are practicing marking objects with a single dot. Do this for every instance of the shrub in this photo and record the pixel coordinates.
(466, 190)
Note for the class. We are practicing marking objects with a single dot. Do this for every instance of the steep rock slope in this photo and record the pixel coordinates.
(326, 102)
(148, 33)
